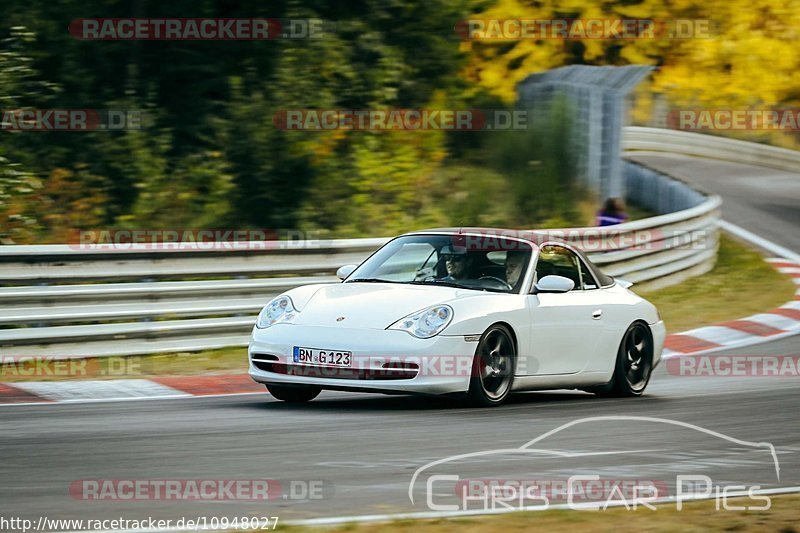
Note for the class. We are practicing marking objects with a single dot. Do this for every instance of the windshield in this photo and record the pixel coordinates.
(472, 262)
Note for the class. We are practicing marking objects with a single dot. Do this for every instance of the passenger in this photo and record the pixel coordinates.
(515, 266)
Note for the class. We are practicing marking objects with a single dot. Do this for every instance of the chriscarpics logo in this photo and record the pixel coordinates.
(573, 466)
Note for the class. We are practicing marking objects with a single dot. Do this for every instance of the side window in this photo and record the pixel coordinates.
(586, 277)
(558, 261)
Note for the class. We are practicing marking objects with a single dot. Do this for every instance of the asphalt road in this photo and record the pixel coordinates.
(364, 449)
(762, 200)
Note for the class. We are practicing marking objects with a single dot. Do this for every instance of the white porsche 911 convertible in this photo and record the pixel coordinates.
(459, 312)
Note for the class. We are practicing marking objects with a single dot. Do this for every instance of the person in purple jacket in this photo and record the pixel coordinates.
(613, 212)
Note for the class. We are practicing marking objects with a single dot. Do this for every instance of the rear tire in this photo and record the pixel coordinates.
(634, 364)
(492, 368)
(294, 393)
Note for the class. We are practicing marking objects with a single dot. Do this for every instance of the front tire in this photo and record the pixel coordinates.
(634, 364)
(294, 393)
(492, 368)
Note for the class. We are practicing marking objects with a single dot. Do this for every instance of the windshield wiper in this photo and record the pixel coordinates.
(371, 280)
(439, 282)
(456, 285)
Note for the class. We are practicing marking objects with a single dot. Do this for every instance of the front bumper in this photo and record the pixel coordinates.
(659, 331)
(444, 362)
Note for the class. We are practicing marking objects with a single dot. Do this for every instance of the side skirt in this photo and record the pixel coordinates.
(560, 381)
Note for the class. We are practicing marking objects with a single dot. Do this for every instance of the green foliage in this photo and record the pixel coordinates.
(18, 85)
(540, 165)
(192, 194)
(477, 196)
(71, 200)
(15, 185)
(209, 154)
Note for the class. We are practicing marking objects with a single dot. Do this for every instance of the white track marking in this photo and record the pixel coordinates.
(759, 241)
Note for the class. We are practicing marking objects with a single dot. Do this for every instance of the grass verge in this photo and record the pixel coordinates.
(783, 516)
(740, 284)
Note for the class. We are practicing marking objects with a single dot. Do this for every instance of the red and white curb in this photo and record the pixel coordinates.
(762, 327)
(780, 322)
(158, 388)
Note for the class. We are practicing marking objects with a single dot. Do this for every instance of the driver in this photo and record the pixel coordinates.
(457, 265)
(515, 263)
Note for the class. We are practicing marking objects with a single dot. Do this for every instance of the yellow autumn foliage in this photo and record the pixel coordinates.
(748, 58)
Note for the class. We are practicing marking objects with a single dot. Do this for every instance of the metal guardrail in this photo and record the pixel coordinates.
(164, 305)
(709, 146)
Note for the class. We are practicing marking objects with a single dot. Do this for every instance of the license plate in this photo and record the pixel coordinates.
(319, 357)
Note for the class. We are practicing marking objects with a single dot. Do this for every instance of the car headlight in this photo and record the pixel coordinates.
(278, 310)
(426, 323)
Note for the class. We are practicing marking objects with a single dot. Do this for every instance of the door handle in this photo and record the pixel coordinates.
(597, 313)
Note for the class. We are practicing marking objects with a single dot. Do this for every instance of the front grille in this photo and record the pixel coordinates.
(263, 361)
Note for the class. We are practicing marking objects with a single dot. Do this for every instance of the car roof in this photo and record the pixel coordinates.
(476, 230)
(534, 237)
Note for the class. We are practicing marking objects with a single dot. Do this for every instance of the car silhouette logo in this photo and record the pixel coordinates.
(339, 319)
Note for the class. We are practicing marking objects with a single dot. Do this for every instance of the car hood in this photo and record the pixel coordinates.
(368, 305)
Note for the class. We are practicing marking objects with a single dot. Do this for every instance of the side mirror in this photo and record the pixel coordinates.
(624, 283)
(555, 284)
(345, 271)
